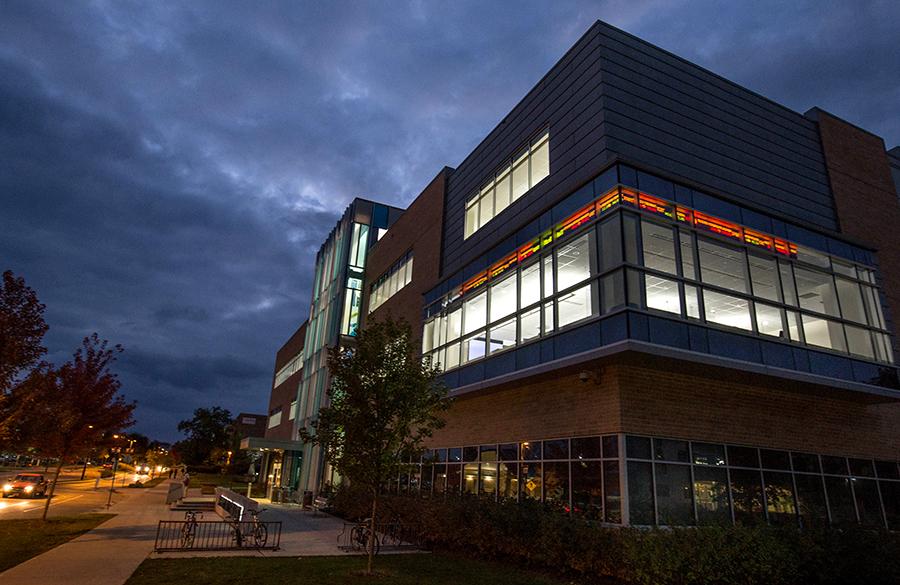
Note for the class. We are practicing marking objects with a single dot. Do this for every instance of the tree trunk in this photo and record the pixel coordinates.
(374, 536)
(52, 489)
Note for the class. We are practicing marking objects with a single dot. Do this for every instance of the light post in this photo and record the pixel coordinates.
(112, 485)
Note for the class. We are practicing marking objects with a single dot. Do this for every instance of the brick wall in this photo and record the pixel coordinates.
(286, 392)
(419, 229)
(621, 397)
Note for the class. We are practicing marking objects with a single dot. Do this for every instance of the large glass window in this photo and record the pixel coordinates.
(816, 291)
(840, 500)
(662, 294)
(746, 493)
(850, 296)
(573, 262)
(727, 310)
(674, 501)
(722, 265)
(859, 342)
(530, 324)
(764, 277)
(824, 333)
(659, 247)
(688, 267)
(475, 312)
(531, 480)
(503, 336)
(473, 347)
(768, 320)
(530, 289)
(575, 305)
(527, 168)
(640, 493)
(587, 488)
(711, 492)
(503, 297)
(556, 482)
(780, 504)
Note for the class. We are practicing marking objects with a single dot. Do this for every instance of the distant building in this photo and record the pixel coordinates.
(249, 425)
(658, 297)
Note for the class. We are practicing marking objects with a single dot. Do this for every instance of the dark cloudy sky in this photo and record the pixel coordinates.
(168, 170)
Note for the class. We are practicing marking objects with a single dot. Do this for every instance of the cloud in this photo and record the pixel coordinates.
(170, 170)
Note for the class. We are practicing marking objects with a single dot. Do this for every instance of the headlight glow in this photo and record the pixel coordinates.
(29, 488)
(7, 487)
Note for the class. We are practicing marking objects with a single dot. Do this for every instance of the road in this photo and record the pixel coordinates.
(72, 496)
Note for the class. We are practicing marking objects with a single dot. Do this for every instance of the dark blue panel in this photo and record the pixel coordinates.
(804, 236)
(545, 221)
(777, 355)
(801, 359)
(668, 332)
(638, 327)
(734, 346)
(500, 250)
(865, 372)
(830, 365)
(500, 364)
(529, 232)
(451, 379)
(528, 356)
(841, 249)
(698, 339)
(628, 176)
(615, 329)
(577, 340)
(380, 216)
(756, 221)
(656, 186)
(684, 196)
(717, 207)
(546, 350)
(779, 228)
(454, 282)
(606, 181)
(476, 265)
(572, 203)
(471, 374)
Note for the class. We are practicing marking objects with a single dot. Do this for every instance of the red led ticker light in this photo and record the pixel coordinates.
(501, 266)
(529, 249)
(645, 202)
(576, 220)
(717, 226)
(758, 239)
(655, 205)
(607, 201)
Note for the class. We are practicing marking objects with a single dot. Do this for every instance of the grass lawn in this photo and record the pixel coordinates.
(22, 539)
(408, 569)
(234, 482)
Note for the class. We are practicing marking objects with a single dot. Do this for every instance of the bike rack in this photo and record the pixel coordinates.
(214, 535)
(390, 535)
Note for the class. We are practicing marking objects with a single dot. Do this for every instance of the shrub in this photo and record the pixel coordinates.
(534, 534)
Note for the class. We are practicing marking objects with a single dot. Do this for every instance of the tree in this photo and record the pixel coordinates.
(22, 329)
(384, 401)
(68, 410)
(207, 432)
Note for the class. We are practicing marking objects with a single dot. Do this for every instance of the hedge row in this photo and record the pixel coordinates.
(532, 534)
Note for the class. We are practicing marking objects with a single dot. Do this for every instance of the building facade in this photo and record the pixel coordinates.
(658, 298)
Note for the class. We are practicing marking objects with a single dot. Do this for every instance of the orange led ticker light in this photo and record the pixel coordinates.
(645, 202)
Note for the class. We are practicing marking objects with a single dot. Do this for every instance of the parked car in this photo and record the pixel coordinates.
(29, 485)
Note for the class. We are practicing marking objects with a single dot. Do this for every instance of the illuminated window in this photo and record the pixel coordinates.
(475, 313)
(473, 347)
(662, 294)
(454, 324)
(659, 247)
(851, 300)
(575, 306)
(389, 283)
(530, 324)
(764, 277)
(859, 342)
(515, 178)
(503, 336)
(816, 291)
(573, 262)
(768, 320)
(824, 333)
(727, 310)
(451, 359)
(503, 298)
(722, 265)
(692, 301)
(530, 284)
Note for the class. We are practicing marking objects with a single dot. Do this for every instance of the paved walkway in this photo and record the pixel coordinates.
(107, 555)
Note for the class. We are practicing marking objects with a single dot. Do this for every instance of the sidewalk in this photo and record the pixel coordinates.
(107, 555)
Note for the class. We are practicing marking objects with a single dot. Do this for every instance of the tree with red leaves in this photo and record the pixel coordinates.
(65, 412)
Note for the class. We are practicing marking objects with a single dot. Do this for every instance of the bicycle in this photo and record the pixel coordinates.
(361, 535)
(256, 535)
(189, 528)
(258, 530)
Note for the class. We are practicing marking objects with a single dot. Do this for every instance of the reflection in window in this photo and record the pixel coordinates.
(768, 320)
(573, 262)
(780, 497)
(575, 306)
(674, 503)
(722, 265)
(488, 481)
(640, 493)
(840, 500)
(850, 296)
(503, 298)
(556, 482)
(475, 312)
(612, 291)
(816, 291)
(503, 336)
(688, 268)
(859, 342)
(612, 494)
(811, 500)
(531, 481)
(473, 347)
(727, 310)
(530, 284)
(662, 294)
(764, 277)
(824, 333)
(530, 324)
(711, 493)
(587, 488)
(659, 247)
(508, 480)
(746, 493)
(873, 307)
